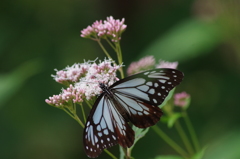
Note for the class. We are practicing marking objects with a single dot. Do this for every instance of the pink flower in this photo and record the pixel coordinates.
(143, 64)
(88, 32)
(147, 63)
(109, 28)
(71, 74)
(64, 98)
(83, 80)
(114, 28)
(166, 64)
(181, 99)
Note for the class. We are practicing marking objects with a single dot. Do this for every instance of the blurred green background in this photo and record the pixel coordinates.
(39, 36)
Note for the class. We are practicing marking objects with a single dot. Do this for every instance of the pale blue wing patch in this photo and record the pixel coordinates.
(99, 132)
(105, 128)
(131, 83)
(140, 113)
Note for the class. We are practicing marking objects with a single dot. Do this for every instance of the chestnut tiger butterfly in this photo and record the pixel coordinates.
(133, 99)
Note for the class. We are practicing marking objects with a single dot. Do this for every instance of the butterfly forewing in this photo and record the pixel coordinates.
(136, 99)
(140, 94)
(105, 128)
(150, 86)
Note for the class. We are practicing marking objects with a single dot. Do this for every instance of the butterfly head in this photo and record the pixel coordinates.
(102, 86)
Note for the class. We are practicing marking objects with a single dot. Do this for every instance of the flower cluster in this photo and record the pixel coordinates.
(166, 64)
(147, 63)
(67, 96)
(182, 99)
(109, 28)
(71, 74)
(143, 64)
(83, 81)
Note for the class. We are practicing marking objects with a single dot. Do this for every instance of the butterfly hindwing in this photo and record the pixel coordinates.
(140, 113)
(105, 128)
(140, 94)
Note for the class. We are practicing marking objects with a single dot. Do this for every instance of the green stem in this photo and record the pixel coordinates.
(191, 131)
(169, 141)
(83, 112)
(121, 72)
(110, 43)
(104, 50)
(66, 110)
(119, 55)
(74, 116)
(128, 153)
(74, 108)
(79, 121)
(90, 106)
(184, 137)
(110, 154)
(117, 49)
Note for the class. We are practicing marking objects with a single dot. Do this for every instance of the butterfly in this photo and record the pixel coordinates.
(133, 99)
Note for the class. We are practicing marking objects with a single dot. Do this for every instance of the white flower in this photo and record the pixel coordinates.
(83, 81)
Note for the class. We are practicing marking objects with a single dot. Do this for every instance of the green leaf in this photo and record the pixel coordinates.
(10, 83)
(167, 98)
(168, 157)
(187, 40)
(200, 154)
(224, 147)
(139, 133)
(173, 118)
(164, 119)
(122, 154)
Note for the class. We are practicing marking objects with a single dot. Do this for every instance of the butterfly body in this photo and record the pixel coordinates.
(105, 89)
(133, 99)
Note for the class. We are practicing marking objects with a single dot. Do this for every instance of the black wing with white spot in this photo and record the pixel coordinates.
(136, 99)
(141, 114)
(105, 128)
(141, 94)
